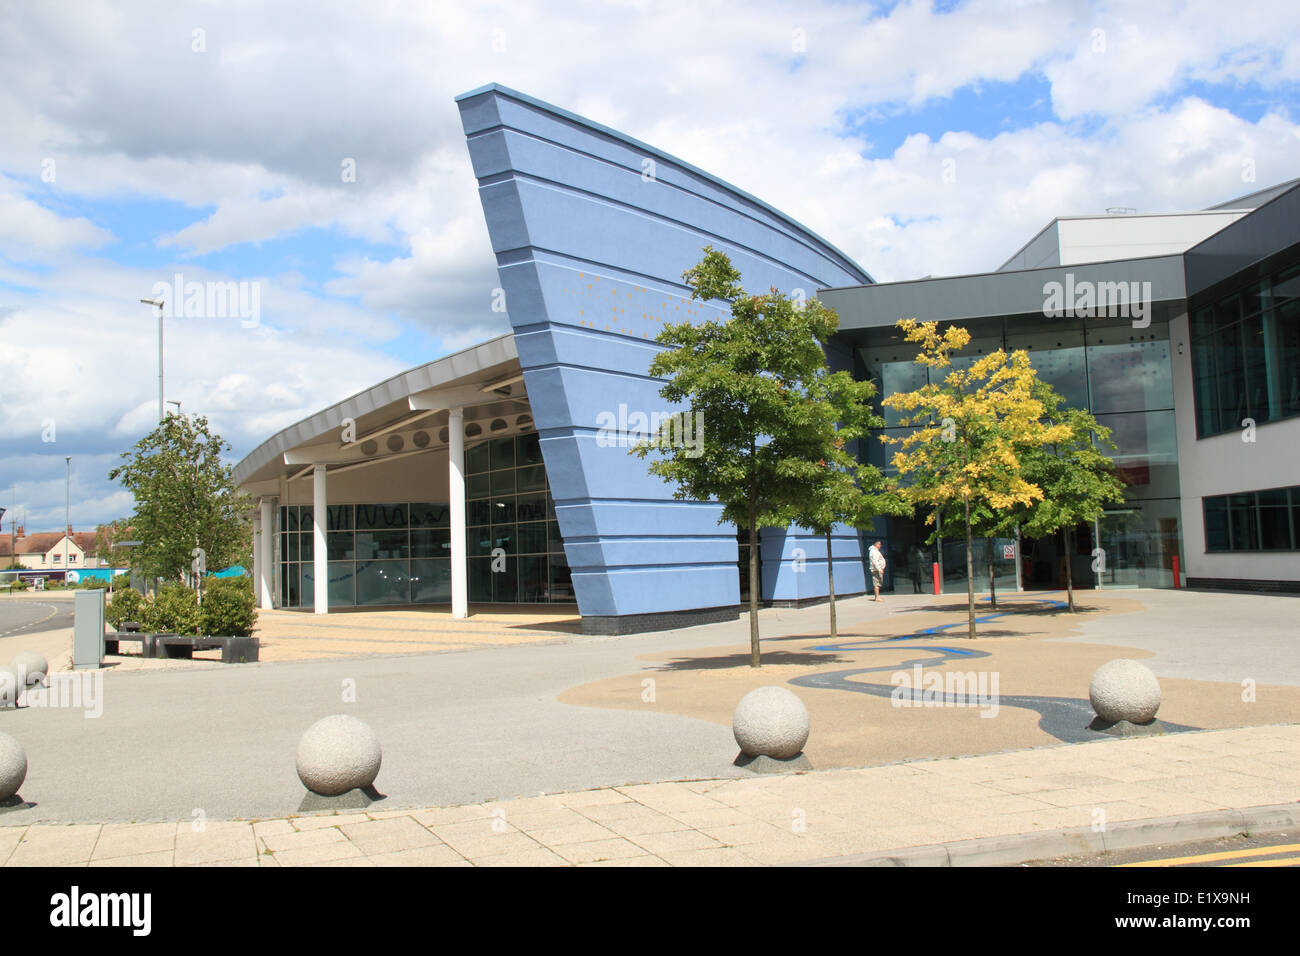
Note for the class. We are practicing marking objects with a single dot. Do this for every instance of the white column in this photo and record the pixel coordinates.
(456, 504)
(265, 590)
(320, 559)
(257, 560)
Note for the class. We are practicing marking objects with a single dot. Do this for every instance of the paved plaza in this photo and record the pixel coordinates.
(515, 740)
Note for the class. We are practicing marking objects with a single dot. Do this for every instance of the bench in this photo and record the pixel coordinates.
(234, 650)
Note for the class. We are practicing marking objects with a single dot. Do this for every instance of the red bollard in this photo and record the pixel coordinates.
(1176, 584)
(935, 569)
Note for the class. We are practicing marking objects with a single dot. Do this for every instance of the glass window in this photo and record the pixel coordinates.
(433, 515)
(556, 542)
(290, 547)
(383, 582)
(503, 482)
(430, 543)
(505, 583)
(534, 585)
(477, 458)
(503, 536)
(532, 538)
(531, 507)
(431, 581)
(561, 581)
(532, 478)
(1128, 376)
(379, 517)
(1146, 453)
(503, 510)
(1246, 355)
(382, 544)
(479, 542)
(1242, 522)
(340, 546)
(478, 486)
(503, 453)
(289, 518)
(1274, 520)
(338, 518)
(1253, 521)
(480, 579)
(480, 512)
(306, 585)
(1216, 524)
(343, 588)
(528, 449)
(1140, 543)
(305, 546)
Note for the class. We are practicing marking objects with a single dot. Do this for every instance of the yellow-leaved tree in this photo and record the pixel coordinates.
(972, 423)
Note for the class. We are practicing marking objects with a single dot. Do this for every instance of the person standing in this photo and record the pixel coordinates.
(877, 568)
(918, 566)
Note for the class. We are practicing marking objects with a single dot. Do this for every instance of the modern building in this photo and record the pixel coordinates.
(1180, 332)
(501, 473)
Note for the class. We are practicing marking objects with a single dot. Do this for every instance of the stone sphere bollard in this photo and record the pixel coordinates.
(338, 754)
(1125, 690)
(32, 665)
(11, 687)
(770, 722)
(13, 766)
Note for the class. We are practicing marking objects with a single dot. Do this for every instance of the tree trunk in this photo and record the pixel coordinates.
(970, 574)
(830, 582)
(1069, 567)
(993, 592)
(755, 657)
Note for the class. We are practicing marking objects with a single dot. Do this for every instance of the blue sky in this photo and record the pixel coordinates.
(208, 138)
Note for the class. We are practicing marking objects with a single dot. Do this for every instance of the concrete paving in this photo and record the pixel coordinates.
(464, 728)
(1206, 635)
(973, 810)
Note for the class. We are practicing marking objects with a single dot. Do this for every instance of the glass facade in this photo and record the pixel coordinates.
(1246, 354)
(400, 553)
(1123, 376)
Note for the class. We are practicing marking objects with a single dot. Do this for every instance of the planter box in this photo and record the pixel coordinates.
(234, 650)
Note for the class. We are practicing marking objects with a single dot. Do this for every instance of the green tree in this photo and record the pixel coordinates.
(743, 380)
(841, 489)
(106, 536)
(1078, 480)
(972, 426)
(185, 498)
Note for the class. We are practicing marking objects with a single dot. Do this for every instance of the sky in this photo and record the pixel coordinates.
(313, 153)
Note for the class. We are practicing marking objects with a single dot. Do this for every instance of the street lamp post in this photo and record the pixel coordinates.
(67, 512)
(159, 304)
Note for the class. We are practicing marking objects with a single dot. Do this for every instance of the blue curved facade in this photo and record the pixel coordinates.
(592, 231)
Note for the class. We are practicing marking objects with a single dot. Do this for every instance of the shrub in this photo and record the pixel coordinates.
(127, 605)
(175, 610)
(229, 608)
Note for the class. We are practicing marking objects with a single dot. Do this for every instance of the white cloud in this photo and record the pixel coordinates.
(251, 134)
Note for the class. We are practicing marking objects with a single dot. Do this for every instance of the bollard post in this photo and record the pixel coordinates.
(935, 569)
